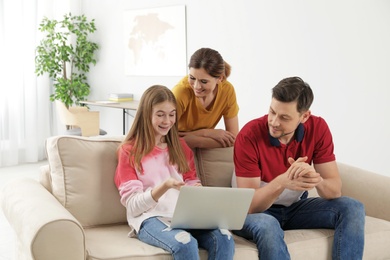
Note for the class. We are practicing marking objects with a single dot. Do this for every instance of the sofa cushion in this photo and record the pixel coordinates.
(215, 166)
(82, 178)
(112, 243)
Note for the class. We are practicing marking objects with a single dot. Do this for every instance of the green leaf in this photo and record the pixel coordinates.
(65, 54)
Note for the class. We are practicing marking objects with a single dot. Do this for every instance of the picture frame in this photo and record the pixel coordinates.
(155, 41)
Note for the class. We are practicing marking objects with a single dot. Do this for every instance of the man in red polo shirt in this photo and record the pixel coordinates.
(283, 155)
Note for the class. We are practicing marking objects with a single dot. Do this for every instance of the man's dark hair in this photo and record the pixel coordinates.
(294, 89)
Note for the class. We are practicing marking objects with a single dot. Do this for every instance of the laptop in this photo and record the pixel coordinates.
(210, 208)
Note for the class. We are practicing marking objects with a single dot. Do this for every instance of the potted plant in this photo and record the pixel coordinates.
(65, 53)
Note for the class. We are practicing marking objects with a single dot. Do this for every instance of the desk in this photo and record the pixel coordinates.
(130, 105)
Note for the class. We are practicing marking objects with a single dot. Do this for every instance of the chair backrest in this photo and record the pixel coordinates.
(81, 117)
(65, 115)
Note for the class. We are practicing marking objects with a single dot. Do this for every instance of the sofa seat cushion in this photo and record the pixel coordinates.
(82, 178)
(112, 242)
(377, 241)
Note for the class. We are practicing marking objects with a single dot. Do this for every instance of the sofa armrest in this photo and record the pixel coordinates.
(370, 188)
(44, 229)
(45, 178)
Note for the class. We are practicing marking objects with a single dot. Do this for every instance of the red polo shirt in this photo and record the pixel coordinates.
(258, 154)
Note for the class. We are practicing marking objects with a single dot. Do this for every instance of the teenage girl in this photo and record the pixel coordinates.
(153, 163)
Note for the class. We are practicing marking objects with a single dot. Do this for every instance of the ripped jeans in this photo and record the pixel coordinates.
(183, 244)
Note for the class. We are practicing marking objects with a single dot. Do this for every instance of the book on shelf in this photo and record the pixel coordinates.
(107, 102)
(121, 97)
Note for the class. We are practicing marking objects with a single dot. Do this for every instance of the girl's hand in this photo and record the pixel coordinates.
(172, 183)
(160, 190)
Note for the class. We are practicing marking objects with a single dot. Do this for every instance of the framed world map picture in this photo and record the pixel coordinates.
(155, 41)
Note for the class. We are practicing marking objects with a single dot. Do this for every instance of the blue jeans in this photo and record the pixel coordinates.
(183, 244)
(345, 215)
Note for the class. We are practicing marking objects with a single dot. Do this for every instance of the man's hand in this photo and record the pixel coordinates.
(299, 168)
(306, 182)
(299, 176)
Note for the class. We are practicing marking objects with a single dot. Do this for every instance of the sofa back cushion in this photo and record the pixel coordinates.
(82, 178)
(215, 166)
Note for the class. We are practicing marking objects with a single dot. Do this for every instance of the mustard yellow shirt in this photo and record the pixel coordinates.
(191, 115)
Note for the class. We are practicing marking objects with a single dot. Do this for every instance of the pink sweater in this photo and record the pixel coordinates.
(135, 188)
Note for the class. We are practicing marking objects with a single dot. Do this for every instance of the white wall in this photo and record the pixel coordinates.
(341, 48)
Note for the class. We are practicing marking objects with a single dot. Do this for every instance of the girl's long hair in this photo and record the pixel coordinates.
(141, 136)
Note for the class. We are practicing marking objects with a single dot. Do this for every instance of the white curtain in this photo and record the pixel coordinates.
(26, 118)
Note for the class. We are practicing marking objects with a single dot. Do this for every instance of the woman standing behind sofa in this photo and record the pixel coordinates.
(203, 98)
(153, 163)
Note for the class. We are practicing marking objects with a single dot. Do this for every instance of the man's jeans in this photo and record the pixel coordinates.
(345, 215)
(183, 244)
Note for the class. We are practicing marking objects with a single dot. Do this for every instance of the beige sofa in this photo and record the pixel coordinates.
(74, 211)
